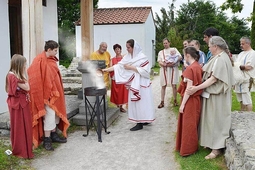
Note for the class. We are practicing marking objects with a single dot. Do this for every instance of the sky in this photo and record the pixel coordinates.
(158, 4)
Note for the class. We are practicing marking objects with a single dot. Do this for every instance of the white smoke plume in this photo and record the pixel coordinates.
(96, 75)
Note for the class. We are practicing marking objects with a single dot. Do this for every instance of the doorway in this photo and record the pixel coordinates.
(15, 27)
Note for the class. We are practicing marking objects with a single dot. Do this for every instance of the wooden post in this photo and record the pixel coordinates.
(87, 33)
(32, 28)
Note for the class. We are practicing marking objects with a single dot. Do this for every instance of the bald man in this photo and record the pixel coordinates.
(103, 54)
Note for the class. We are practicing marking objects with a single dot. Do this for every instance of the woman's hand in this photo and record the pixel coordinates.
(128, 67)
(191, 90)
(181, 108)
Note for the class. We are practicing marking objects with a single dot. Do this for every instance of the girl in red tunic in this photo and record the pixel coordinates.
(17, 88)
(119, 93)
(189, 111)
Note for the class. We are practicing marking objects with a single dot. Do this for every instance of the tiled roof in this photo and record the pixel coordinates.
(124, 15)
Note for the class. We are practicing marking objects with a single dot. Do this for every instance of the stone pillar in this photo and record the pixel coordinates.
(32, 28)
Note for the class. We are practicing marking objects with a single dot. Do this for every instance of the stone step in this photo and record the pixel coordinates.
(72, 108)
(72, 80)
(72, 89)
(73, 74)
(111, 115)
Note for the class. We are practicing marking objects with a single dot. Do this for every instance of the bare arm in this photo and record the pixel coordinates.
(245, 67)
(108, 69)
(25, 86)
(162, 64)
(186, 96)
(192, 89)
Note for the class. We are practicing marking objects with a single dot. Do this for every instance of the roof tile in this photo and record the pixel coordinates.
(122, 15)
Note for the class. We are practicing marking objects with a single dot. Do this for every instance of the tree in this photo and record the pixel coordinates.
(194, 17)
(163, 25)
(253, 26)
(237, 6)
(68, 13)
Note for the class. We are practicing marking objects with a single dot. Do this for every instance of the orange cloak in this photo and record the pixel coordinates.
(46, 87)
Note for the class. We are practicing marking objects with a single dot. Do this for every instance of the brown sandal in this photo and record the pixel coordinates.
(161, 104)
(175, 103)
(122, 110)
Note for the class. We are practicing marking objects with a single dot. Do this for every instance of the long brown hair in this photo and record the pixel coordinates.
(17, 67)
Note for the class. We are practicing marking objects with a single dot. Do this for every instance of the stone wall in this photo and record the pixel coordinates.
(240, 147)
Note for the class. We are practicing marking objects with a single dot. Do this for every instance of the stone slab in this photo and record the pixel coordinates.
(111, 115)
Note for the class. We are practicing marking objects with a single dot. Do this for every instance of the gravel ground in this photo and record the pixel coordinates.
(149, 149)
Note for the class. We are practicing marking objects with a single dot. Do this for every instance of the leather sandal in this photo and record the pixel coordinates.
(213, 154)
(175, 103)
(161, 105)
(122, 110)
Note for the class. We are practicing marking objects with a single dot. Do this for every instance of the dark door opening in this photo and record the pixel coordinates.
(15, 27)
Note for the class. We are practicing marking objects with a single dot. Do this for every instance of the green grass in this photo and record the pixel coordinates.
(236, 104)
(11, 162)
(156, 68)
(197, 161)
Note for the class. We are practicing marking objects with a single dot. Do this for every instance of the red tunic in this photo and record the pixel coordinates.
(119, 93)
(188, 121)
(21, 119)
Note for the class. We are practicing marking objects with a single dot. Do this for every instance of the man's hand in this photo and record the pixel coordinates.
(170, 64)
(242, 67)
(162, 64)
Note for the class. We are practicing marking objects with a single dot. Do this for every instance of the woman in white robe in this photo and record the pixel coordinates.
(134, 71)
(217, 80)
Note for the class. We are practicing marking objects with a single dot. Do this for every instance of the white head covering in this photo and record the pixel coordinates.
(137, 49)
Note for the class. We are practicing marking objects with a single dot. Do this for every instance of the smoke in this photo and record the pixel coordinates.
(96, 74)
(67, 44)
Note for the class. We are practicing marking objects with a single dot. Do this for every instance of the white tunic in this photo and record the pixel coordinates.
(168, 75)
(140, 98)
(246, 58)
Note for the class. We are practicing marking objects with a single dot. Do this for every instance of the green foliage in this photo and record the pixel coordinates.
(163, 25)
(68, 13)
(176, 40)
(237, 6)
(253, 26)
(234, 5)
(193, 18)
(156, 68)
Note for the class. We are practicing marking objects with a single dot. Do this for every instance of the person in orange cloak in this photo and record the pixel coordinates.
(47, 98)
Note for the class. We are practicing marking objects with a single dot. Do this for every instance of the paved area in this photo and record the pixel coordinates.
(149, 149)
